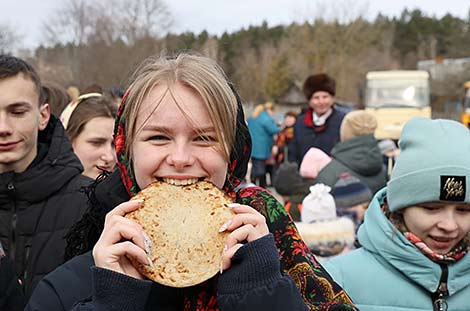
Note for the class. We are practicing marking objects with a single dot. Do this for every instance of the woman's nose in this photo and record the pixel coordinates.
(180, 156)
(448, 222)
(109, 154)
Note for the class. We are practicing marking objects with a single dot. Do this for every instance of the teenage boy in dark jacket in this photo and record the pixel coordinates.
(40, 176)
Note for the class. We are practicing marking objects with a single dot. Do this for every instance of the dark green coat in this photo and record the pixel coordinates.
(359, 157)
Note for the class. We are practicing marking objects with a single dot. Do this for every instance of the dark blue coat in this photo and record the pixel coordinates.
(306, 135)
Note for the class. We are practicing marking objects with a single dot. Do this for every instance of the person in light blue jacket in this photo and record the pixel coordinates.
(415, 236)
(262, 130)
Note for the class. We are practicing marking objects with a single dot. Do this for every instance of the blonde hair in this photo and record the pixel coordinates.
(73, 92)
(260, 108)
(198, 73)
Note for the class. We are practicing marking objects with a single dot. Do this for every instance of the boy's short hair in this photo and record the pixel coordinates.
(11, 66)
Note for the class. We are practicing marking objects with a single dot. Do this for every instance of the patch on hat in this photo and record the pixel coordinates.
(452, 188)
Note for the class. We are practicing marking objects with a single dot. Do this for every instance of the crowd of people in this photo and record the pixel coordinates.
(362, 224)
(392, 219)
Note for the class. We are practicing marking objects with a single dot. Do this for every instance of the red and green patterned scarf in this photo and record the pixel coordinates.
(457, 253)
(317, 288)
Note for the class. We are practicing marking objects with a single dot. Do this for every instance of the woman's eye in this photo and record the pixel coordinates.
(158, 137)
(95, 143)
(464, 210)
(207, 138)
(430, 208)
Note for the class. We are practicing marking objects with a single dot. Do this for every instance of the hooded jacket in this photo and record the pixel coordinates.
(39, 205)
(360, 157)
(390, 273)
(257, 279)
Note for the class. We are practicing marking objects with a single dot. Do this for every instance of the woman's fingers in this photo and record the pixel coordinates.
(128, 248)
(257, 221)
(124, 208)
(246, 215)
(241, 208)
(121, 237)
(114, 257)
(120, 228)
(235, 240)
(246, 226)
(244, 233)
(227, 256)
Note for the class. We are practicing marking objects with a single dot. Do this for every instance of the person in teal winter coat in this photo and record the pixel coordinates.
(415, 236)
(262, 130)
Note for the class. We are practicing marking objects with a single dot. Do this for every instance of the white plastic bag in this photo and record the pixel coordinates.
(319, 205)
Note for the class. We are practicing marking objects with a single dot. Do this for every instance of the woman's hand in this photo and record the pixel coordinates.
(247, 225)
(121, 237)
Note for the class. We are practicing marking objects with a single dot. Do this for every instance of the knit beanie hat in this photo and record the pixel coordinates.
(357, 123)
(349, 191)
(433, 165)
(287, 180)
(313, 162)
(319, 82)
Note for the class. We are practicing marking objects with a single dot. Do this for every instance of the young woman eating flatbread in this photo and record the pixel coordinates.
(181, 121)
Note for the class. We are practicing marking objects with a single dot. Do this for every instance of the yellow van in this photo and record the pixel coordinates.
(394, 97)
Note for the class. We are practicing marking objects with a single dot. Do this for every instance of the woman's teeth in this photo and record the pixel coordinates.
(180, 182)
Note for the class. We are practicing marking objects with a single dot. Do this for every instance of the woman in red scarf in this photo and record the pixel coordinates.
(181, 119)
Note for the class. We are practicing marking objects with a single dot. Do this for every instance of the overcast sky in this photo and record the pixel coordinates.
(217, 16)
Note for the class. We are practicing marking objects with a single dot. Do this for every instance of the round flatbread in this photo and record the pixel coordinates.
(183, 225)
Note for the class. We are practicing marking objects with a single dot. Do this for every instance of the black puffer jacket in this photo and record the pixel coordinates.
(38, 206)
(11, 293)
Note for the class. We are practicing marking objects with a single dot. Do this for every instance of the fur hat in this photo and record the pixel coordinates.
(357, 123)
(313, 162)
(433, 165)
(319, 82)
(350, 191)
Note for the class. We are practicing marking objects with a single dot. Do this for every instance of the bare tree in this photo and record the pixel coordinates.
(80, 21)
(137, 19)
(72, 23)
(248, 76)
(8, 38)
